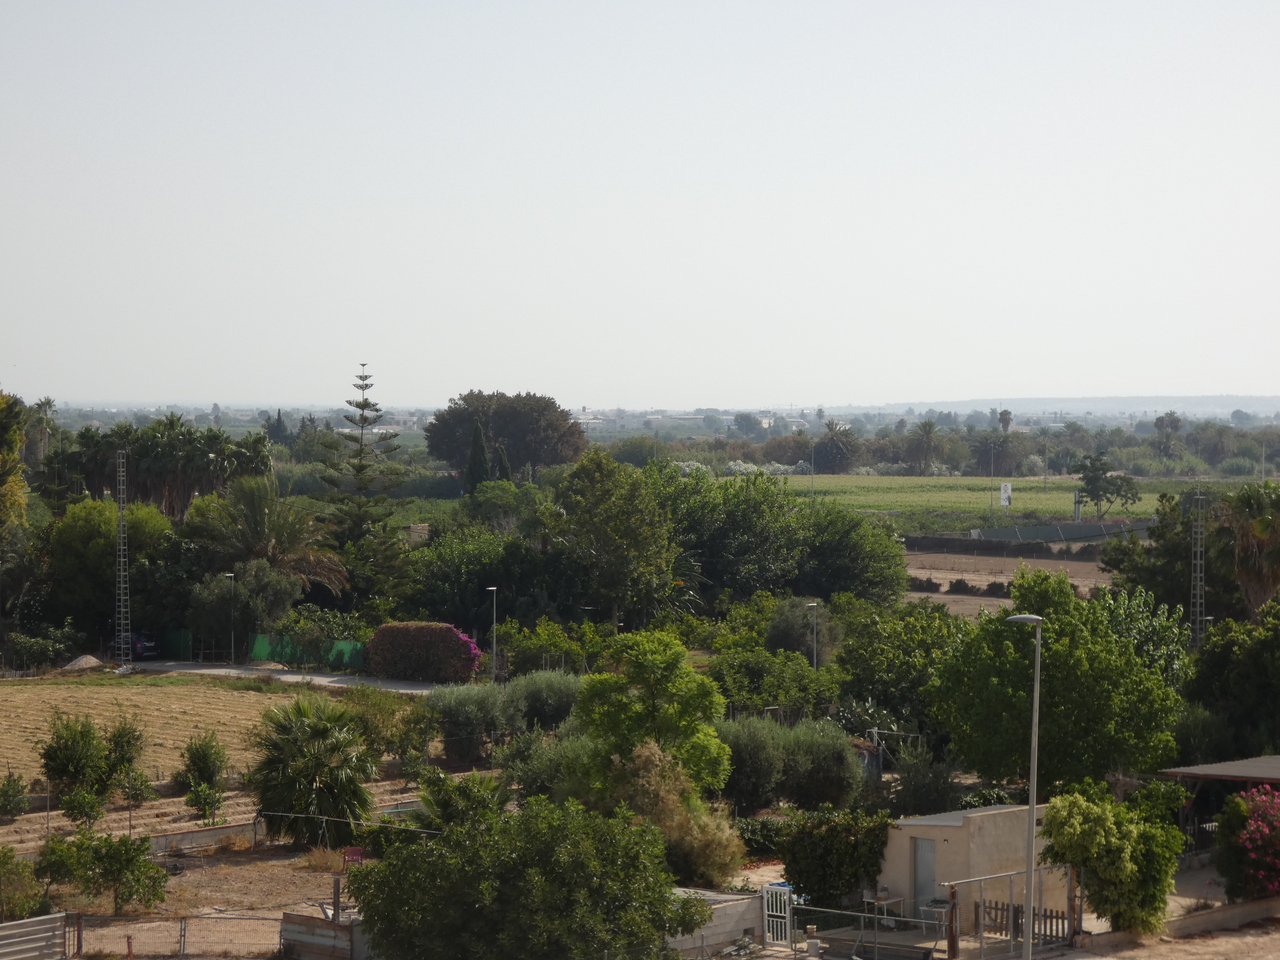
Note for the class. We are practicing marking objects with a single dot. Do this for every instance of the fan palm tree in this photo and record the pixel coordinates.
(1252, 514)
(253, 522)
(310, 771)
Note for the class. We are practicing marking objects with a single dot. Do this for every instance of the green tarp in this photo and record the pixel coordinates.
(343, 655)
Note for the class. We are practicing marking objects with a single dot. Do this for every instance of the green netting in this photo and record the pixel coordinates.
(343, 655)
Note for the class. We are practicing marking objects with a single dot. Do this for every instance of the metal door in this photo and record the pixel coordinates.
(923, 887)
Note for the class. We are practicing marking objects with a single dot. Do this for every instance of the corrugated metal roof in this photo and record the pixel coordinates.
(1257, 769)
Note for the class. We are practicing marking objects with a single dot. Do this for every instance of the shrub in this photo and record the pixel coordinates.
(762, 835)
(74, 755)
(1248, 844)
(538, 764)
(377, 714)
(996, 588)
(386, 833)
(31, 652)
(428, 652)
(927, 585)
(204, 761)
(207, 801)
(924, 787)
(543, 698)
(756, 752)
(830, 853)
(466, 714)
(986, 797)
(13, 797)
(543, 647)
(820, 766)
(1239, 467)
(961, 585)
(19, 892)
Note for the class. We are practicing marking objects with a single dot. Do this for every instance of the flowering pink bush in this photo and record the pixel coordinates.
(434, 652)
(1248, 855)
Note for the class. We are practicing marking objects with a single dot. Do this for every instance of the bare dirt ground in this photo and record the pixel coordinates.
(169, 714)
(981, 569)
(1259, 940)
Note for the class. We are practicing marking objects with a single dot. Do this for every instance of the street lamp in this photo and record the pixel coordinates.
(494, 665)
(232, 657)
(1027, 924)
(814, 607)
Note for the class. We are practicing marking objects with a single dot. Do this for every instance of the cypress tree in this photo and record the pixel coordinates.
(504, 465)
(478, 464)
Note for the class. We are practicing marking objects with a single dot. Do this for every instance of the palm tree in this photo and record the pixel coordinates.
(310, 772)
(836, 449)
(1252, 514)
(1005, 419)
(922, 445)
(253, 522)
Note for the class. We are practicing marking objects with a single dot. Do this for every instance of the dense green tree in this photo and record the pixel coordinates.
(1237, 677)
(259, 596)
(652, 694)
(534, 430)
(1161, 563)
(19, 892)
(12, 436)
(829, 854)
(543, 882)
(81, 561)
(844, 552)
(756, 679)
(891, 654)
(619, 534)
(1101, 486)
(740, 530)
(309, 771)
(1103, 707)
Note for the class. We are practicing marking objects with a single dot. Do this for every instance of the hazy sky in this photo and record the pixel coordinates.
(640, 204)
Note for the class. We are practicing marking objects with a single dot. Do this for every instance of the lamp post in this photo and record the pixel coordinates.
(1027, 927)
(494, 592)
(232, 657)
(814, 608)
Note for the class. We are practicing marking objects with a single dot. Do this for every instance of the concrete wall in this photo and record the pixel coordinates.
(988, 842)
(314, 938)
(728, 922)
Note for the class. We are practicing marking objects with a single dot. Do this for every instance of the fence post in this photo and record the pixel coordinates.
(953, 924)
(182, 937)
(79, 934)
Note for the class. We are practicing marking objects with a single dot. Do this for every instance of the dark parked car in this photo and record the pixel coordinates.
(145, 647)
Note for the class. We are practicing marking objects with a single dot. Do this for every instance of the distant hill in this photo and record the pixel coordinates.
(1141, 407)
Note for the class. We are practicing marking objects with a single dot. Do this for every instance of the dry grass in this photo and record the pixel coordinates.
(171, 710)
(320, 860)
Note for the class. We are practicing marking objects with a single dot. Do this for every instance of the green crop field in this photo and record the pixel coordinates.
(974, 494)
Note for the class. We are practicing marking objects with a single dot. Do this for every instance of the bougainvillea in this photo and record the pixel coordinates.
(432, 652)
(1248, 854)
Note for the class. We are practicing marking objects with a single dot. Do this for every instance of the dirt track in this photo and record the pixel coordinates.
(981, 569)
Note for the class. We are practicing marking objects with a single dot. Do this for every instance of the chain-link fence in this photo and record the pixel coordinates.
(220, 936)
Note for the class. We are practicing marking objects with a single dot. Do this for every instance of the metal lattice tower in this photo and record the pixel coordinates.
(123, 651)
(1197, 570)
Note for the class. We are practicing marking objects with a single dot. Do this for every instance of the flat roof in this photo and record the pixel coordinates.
(1256, 769)
(955, 818)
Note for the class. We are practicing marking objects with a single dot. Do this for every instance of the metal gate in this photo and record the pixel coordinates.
(777, 913)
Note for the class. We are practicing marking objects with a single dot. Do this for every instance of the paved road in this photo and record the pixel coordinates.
(287, 676)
